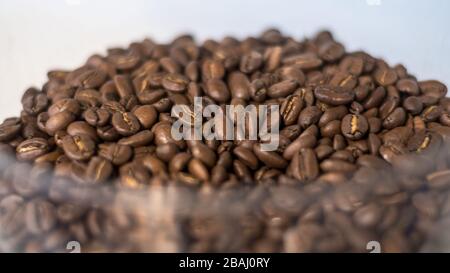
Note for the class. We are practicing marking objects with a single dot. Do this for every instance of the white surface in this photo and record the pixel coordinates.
(38, 35)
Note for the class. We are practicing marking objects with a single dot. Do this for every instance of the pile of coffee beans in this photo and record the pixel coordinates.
(363, 152)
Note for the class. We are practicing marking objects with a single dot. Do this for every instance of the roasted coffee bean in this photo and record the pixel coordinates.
(331, 129)
(375, 98)
(204, 154)
(96, 117)
(385, 76)
(126, 124)
(58, 121)
(32, 148)
(408, 86)
(239, 85)
(79, 147)
(282, 89)
(166, 152)
(291, 108)
(395, 119)
(431, 113)
(212, 69)
(308, 116)
(116, 153)
(139, 139)
(413, 105)
(40, 216)
(271, 159)
(217, 90)
(250, 62)
(99, 170)
(333, 96)
(433, 89)
(354, 127)
(198, 169)
(34, 102)
(175, 82)
(246, 156)
(304, 165)
(337, 165)
(82, 128)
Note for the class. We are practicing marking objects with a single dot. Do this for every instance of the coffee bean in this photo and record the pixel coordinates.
(395, 119)
(166, 152)
(217, 90)
(126, 124)
(385, 76)
(82, 128)
(212, 69)
(413, 105)
(204, 154)
(32, 148)
(304, 165)
(433, 89)
(408, 86)
(139, 139)
(308, 116)
(40, 216)
(116, 153)
(79, 147)
(239, 85)
(250, 62)
(271, 159)
(282, 89)
(354, 127)
(34, 102)
(291, 108)
(99, 170)
(246, 156)
(175, 82)
(431, 113)
(59, 121)
(333, 96)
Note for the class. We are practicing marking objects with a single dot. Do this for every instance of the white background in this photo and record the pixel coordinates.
(38, 35)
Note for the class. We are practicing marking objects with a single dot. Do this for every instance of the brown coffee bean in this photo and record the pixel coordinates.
(116, 153)
(126, 124)
(439, 180)
(239, 85)
(212, 69)
(96, 116)
(395, 119)
(34, 102)
(40, 216)
(291, 108)
(333, 95)
(198, 169)
(337, 165)
(217, 90)
(204, 154)
(139, 139)
(246, 156)
(304, 61)
(375, 98)
(308, 116)
(32, 148)
(58, 121)
(354, 127)
(413, 105)
(166, 151)
(78, 147)
(9, 129)
(433, 89)
(304, 165)
(175, 82)
(431, 113)
(385, 76)
(408, 86)
(282, 89)
(250, 62)
(331, 129)
(271, 159)
(82, 128)
(99, 170)
(179, 162)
